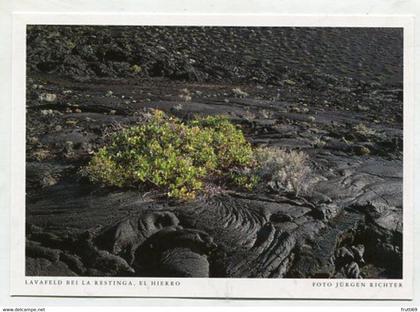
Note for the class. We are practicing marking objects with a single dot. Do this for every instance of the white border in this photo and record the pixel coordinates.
(203, 287)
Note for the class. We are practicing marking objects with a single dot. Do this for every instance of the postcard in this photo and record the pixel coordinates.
(212, 156)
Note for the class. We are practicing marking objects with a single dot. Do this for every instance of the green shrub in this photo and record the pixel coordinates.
(171, 155)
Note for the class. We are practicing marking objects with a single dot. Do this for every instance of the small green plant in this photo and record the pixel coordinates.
(136, 69)
(283, 171)
(171, 155)
(245, 178)
(363, 131)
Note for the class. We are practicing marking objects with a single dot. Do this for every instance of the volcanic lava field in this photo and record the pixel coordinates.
(335, 94)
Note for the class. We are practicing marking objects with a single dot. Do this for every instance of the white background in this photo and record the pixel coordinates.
(329, 7)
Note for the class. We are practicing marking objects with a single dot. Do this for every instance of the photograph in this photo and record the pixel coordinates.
(214, 152)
